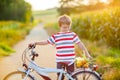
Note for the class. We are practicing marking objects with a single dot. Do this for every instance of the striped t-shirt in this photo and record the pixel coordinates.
(64, 43)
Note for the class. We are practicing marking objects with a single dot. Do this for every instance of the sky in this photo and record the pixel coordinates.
(43, 4)
(46, 4)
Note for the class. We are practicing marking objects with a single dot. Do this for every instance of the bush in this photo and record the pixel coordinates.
(5, 50)
(99, 25)
(11, 32)
(113, 74)
(52, 28)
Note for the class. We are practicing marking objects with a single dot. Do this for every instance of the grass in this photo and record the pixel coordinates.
(46, 16)
(5, 50)
(12, 32)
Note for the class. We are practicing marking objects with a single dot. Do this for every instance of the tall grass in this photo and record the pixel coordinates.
(102, 27)
(11, 32)
(99, 25)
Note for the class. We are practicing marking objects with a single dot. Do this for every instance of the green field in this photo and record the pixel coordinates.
(46, 16)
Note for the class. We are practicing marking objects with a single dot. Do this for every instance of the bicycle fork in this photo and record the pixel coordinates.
(27, 73)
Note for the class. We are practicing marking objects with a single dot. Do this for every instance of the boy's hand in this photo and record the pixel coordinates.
(31, 45)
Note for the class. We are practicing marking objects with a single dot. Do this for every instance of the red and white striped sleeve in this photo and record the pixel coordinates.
(51, 40)
(76, 39)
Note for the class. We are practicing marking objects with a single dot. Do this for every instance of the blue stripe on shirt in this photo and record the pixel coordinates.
(65, 51)
(62, 43)
(51, 40)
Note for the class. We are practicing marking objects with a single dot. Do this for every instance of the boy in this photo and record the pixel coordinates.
(64, 43)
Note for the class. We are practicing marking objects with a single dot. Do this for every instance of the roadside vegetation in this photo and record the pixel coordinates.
(11, 32)
(15, 23)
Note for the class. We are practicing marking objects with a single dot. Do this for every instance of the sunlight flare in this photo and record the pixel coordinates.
(105, 1)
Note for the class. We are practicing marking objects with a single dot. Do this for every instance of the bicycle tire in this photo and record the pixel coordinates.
(86, 75)
(17, 75)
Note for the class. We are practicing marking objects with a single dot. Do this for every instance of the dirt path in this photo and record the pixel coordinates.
(46, 53)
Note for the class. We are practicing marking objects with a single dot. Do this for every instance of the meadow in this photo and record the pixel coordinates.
(46, 16)
(99, 31)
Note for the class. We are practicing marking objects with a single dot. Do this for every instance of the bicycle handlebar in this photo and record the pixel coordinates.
(32, 55)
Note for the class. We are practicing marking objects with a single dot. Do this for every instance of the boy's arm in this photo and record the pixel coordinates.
(81, 45)
(41, 43)
(38, 43)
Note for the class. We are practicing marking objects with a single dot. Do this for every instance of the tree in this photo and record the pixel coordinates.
(71, 6)
(67, 5)
(14, 10)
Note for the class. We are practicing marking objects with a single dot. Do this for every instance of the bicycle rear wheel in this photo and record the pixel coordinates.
(86, 75)
(17, 75)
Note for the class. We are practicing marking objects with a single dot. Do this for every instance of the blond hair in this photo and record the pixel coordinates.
(64, 19)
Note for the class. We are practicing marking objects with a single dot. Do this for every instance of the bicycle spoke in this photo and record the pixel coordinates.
(88, 77)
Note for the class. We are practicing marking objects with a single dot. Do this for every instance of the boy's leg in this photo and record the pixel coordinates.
(60, 66)
(70, 69)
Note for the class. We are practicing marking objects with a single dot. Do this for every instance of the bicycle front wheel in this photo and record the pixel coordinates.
(86, 75)
(17, 75)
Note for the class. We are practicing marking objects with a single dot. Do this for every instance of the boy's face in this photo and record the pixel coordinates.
(65, 27)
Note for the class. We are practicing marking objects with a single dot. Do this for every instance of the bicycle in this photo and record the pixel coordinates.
(31, 66)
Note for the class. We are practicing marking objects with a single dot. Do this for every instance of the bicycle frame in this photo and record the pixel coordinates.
(45, 71)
